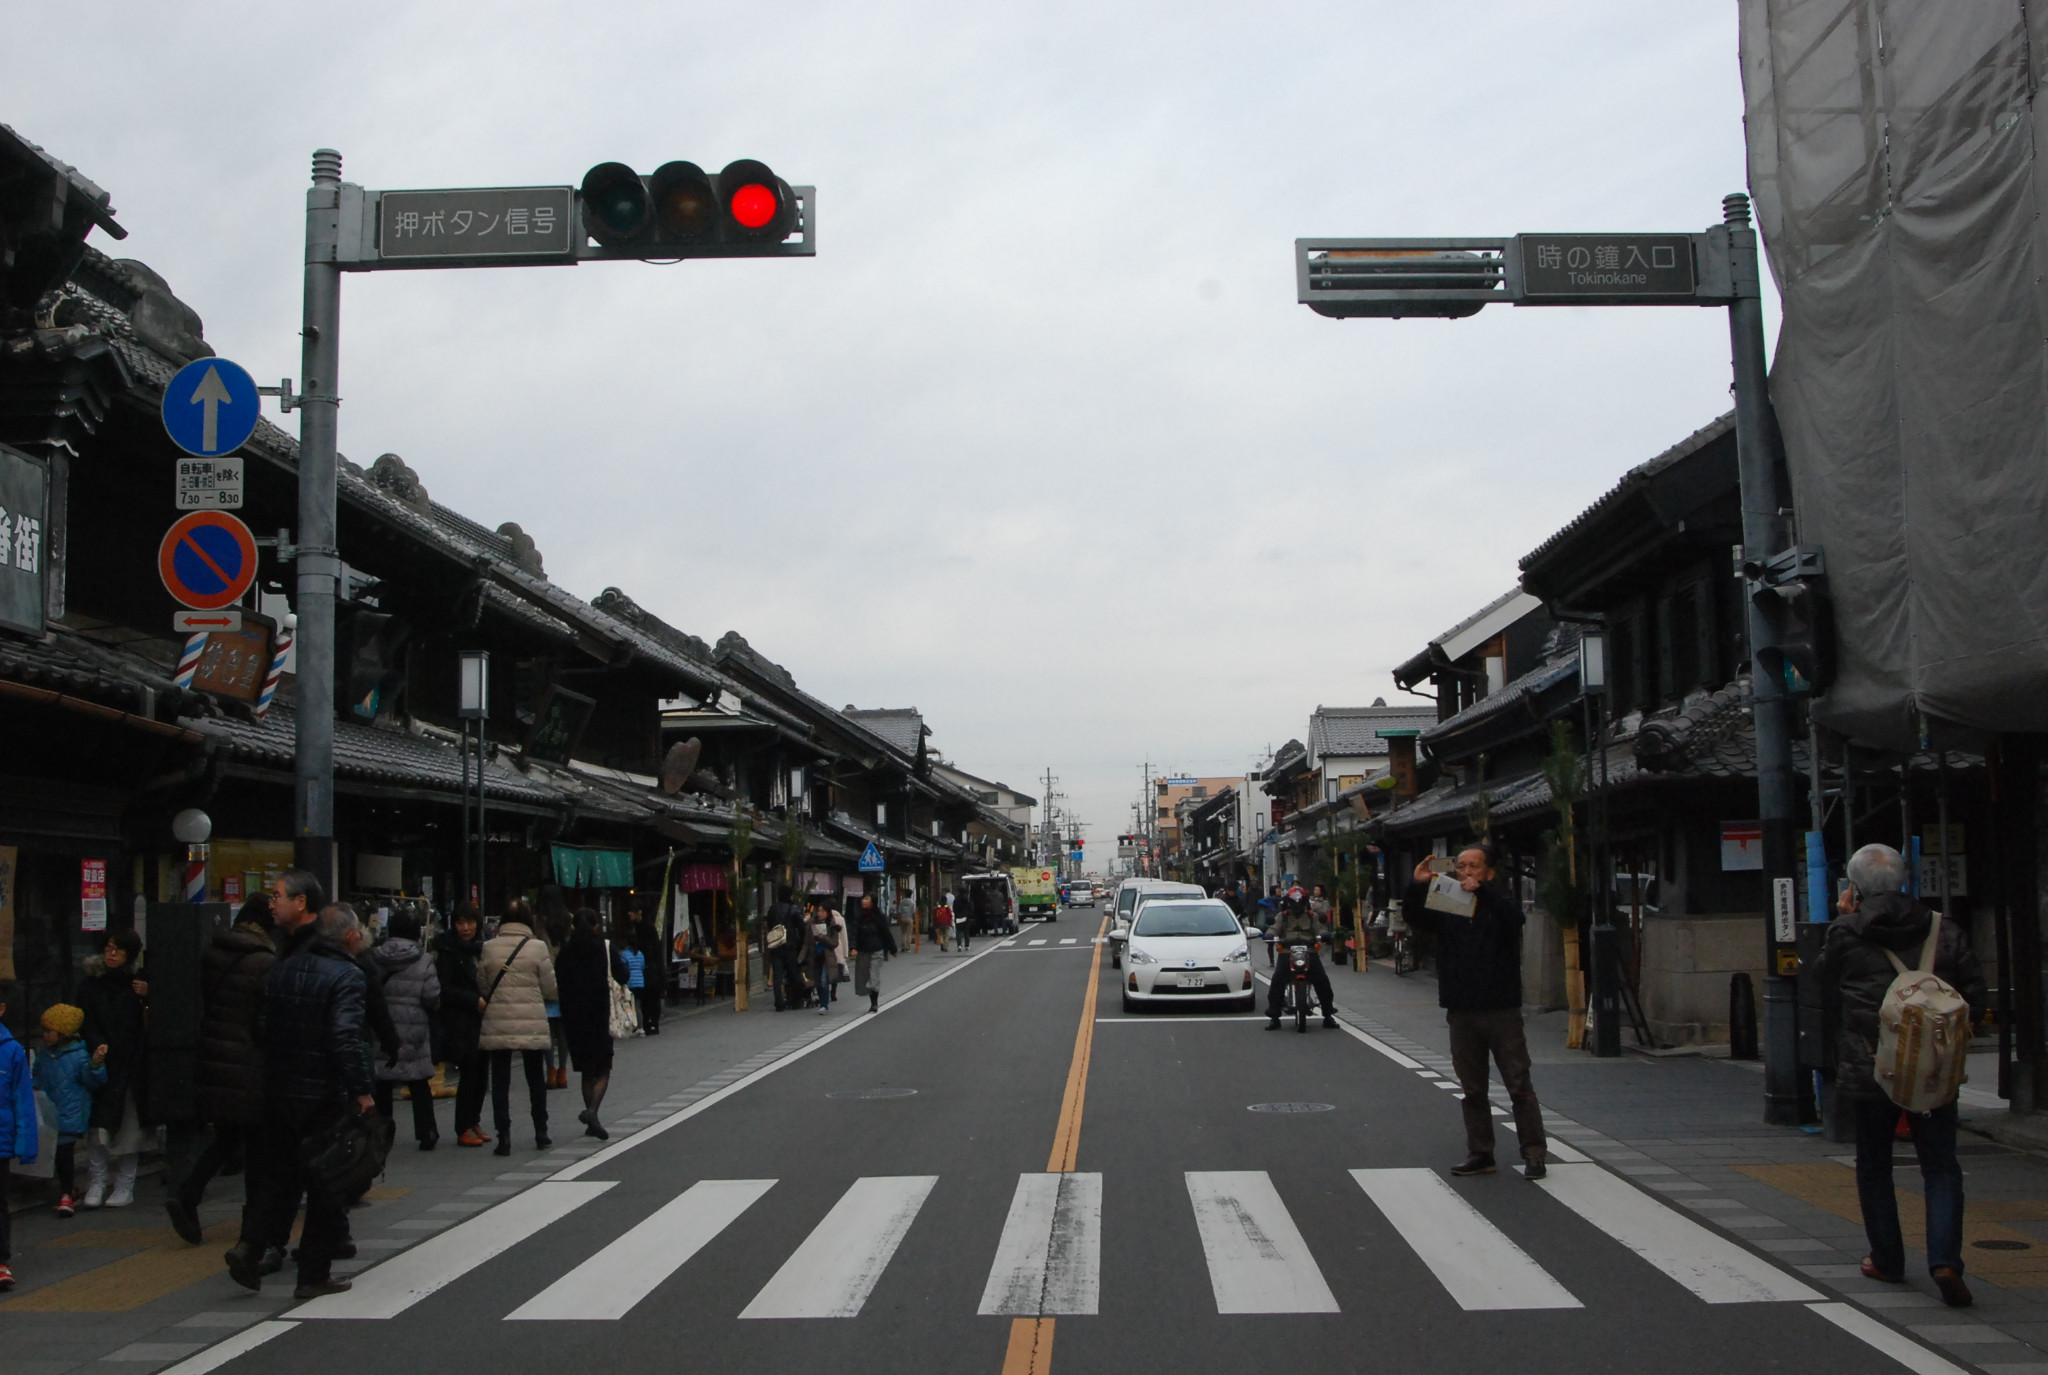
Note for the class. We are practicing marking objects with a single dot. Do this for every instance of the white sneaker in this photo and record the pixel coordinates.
(95, 1194)
(122, 1196)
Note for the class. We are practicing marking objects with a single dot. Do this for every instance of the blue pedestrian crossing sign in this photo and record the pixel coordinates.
(211, 407)
(871, 859)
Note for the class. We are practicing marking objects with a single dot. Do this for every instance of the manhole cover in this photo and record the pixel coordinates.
(1292, 1107)
(2000, 1244)
(872, 1093)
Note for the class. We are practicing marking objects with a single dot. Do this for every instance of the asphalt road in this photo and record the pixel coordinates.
(883, 1203)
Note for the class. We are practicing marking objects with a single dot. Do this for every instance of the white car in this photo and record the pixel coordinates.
(1134, 893)
(1187, 950)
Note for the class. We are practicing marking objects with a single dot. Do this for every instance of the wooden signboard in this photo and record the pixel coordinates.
(234, 662)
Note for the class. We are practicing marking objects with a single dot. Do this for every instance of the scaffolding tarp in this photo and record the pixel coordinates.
(1892, 162)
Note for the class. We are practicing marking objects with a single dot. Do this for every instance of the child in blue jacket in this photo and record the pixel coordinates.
(17, 1126)
(69, 1075)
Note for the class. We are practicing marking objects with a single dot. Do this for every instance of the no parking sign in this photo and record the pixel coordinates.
(207, 560)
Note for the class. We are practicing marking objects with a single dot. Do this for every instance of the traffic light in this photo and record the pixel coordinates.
(369, 660)
(1804, 655)
(681, 211)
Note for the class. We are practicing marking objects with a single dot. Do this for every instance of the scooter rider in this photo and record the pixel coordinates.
(1297, 923)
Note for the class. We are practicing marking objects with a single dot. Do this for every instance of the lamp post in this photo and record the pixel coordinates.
(473, 707)
(1606, 959)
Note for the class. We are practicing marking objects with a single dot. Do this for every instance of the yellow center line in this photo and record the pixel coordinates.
(1030, 1349)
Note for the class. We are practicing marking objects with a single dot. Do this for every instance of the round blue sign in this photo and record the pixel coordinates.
(211, 407)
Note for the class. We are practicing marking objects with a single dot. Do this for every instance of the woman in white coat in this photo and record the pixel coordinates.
(518, 982)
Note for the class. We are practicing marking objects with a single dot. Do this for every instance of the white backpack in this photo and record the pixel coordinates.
(1923, 1033)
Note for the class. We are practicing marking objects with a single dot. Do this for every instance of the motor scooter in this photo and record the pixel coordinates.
(1296, 989)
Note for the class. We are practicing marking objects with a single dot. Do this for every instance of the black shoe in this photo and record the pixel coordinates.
(1954, 1292)
(1329, 1022)
(184, 1220)
(541, 1141)
(1272, 1024)
(313, 1289)
(427, 1143)
(504, 1146)
(1533, 1168)
(272, 1262)
(242, 1267)
(593, 1127)
(1474, 1164)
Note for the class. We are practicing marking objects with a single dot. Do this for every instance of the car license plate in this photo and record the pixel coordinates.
(1193, 980)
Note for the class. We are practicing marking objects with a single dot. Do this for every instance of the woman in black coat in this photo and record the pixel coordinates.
(456, 951)
(583, 977)
(114, 1001)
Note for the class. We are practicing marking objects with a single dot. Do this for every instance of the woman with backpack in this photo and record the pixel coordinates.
(1880, 937)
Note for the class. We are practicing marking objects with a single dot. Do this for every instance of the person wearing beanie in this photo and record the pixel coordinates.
(18, 1132)
(70, 1076)
(230, 1070)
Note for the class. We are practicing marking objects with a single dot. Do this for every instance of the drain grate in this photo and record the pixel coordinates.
(2001, 1244)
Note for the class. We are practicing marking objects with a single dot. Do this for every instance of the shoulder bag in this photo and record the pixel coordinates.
(624, 1014)
(507, 968)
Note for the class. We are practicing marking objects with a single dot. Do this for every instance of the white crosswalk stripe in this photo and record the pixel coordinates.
(1708, 1264)
(397, 1284)
(611, 1282)
(1258, 1262)
(835, 1269)
(1049, 1261)
(1469, 1256)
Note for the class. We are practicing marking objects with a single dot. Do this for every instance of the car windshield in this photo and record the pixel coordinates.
(1186, 919)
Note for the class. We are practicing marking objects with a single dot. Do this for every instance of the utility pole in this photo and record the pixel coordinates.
(318, 560)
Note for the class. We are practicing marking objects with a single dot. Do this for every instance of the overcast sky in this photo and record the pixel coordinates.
(1039, 442)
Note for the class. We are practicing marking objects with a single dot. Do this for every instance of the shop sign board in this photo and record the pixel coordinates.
(24, 512)
(92, 894)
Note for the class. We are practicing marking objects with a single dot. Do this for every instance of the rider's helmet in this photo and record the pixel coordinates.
(1296, 895)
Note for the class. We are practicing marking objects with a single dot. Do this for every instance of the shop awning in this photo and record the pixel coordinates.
(579, 867)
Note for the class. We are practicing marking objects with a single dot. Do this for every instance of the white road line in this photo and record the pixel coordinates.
(389, 1288)
(1376, 1043)
(1899, 1347)
(1034, 942)
(1469, 1256)
(1710, 1265)
(1071, 940)
(225, 1350)
(1557, 1150)
(1050, 1258)
(610, 1283)
(711, 1100)
(831, 1274)
(1258, 1262)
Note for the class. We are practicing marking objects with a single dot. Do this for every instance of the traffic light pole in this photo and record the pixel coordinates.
(318, 559)
(1763, 537)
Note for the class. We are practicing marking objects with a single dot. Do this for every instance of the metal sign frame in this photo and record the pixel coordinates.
(359, 247)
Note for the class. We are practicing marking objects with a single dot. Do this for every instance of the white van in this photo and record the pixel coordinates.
(1130, 895)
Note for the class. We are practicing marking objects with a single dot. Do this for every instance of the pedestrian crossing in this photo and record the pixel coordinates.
(1048, 1261)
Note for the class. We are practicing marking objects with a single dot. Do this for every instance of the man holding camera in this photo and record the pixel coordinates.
(1479, 986)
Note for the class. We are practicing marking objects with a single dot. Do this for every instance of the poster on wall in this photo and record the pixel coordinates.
(92, 895)
(1742, 845)
(7, 859)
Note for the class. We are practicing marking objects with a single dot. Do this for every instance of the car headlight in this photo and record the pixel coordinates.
(1137, 956)
(1238, 956)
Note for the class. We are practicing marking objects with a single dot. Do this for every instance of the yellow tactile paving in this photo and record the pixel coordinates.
(1832, 1187)
(163, 1266)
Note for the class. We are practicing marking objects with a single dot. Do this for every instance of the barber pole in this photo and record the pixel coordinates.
(285, 633)
(195, 873)
(188, 662)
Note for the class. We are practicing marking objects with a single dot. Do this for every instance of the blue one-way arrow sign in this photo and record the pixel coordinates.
(871, 859)
(211, 407)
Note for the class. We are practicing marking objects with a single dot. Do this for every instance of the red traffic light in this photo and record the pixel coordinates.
(758, 204)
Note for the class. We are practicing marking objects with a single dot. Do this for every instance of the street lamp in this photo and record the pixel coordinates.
(1593, 661)
(473, 708)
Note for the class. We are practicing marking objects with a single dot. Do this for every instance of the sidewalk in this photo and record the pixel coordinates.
(1691, 1128)
(117, 1291)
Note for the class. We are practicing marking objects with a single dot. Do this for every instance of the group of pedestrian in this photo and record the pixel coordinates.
(308, 1035)
(811, 947)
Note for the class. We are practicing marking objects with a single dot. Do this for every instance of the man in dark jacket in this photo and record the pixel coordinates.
(315, 1070)
(786, 961)
(1479, 986)
(1298, 923)
(871, 936)
(230, 1072)
(1876, 917)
